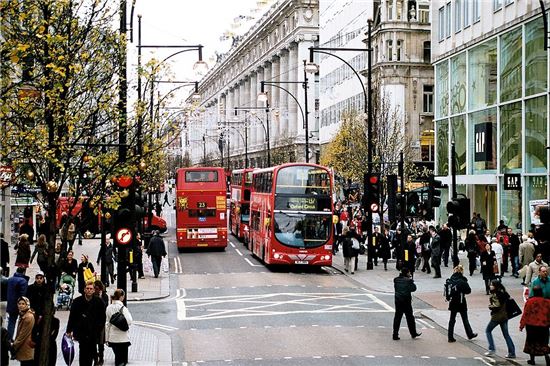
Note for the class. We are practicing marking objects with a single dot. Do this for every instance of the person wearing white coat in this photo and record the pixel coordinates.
(499, 251)
(118, 339)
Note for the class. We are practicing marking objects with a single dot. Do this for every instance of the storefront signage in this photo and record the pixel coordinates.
(483, 142)
(512, 182)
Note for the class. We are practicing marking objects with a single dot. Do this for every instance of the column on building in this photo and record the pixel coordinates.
(292, 76)
(284, 100)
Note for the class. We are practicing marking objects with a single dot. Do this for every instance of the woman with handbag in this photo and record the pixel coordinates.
(116, 338)
(23, 346)
(499, 316)
(536, 320)
(85, 273)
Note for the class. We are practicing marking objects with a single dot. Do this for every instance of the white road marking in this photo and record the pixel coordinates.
(238, 251)
(166, 328)
(252, 264)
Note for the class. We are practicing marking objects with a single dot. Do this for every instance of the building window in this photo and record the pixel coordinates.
(476, 11)
(441, 23)
(427, 52)
(497, 5)
(458, 9)
(428, 99)
(424, 13)
(448, 20)
(389, 49)
(399, 49)
(466, 15)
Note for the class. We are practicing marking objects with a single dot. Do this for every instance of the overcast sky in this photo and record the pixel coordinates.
(187, 22)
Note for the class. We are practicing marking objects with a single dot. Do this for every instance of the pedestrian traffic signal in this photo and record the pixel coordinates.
(371, 182)
(413, 203)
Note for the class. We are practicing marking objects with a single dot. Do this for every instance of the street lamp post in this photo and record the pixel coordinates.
(367, 93)
(262, 97)
(266, 128)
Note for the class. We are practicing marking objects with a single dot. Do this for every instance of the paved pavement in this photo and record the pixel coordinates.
(430, 303)
(149, 346)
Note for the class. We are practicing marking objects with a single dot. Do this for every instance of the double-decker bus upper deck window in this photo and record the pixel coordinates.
(198, 176)
(303, 180)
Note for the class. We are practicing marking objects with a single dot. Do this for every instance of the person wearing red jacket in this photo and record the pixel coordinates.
(536, 320)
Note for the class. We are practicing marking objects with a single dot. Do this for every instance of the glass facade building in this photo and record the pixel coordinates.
(492, 102)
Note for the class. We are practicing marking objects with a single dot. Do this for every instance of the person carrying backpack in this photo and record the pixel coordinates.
(456, 289)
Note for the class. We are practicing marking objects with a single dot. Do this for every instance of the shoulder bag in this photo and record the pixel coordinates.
(119, 321)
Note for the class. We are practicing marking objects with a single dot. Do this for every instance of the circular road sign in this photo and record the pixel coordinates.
(124, 236)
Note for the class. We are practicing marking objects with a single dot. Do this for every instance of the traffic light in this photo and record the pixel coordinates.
(393, 200)
(458, 213)
(413, 203)
(371, 182)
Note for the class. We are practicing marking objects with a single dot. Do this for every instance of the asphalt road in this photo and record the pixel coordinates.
(227, 308)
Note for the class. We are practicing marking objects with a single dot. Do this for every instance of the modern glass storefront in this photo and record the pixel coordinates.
(492, 102)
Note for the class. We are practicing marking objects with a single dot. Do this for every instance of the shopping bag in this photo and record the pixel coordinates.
(512, 308)
(67, 348)
(89, 275)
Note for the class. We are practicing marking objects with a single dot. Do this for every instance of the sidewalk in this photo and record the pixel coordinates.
(428, 300)
(149, 346)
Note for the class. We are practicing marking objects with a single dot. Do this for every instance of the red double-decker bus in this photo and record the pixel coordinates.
(239, 211)
(291, 215)
(201, 208)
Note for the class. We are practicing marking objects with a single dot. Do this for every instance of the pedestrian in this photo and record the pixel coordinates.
(514, 242)
(534, 267)
(107, 254)
(17, 287)
(41, 250)
(37, 295)
(26, 228)
(425, 239)
(84, 264)
(156, 251)
(488, 267)
(384, 250)
(409, 255)
(457, 305)
(23, 248)
(86, 319)
(118, 339)
(99, 291)
(446, 238)
(536, 320)
(499, 316)
(435, 244)
(69, 265)
(4, 256)
(404, 287)
(541, 281)
(472, 251)
(526, 253)
(496, 246)
(23, 345)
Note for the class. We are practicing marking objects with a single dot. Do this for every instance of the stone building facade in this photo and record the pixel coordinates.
(230, 122)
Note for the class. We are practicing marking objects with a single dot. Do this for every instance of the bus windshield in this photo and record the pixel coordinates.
(302, 230)
(303, 180)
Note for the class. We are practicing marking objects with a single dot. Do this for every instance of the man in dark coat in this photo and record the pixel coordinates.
(435, 244)
(86, 320)
(156, 251)
(457, 304)
(446, 239)
(404, 287)
(17, 287)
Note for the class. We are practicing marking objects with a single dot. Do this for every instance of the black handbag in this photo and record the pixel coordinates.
(512, 308)
(119, 321)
